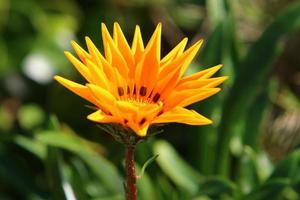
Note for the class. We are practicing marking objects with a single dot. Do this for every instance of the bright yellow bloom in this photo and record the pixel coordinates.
(133, 87)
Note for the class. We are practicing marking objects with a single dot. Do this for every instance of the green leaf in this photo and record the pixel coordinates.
(176, 168)
(254, 118)
(63, 140)
(216, 187)
(33, 146)
(269, 190)
(145, 165)
(220, 48)
(104, 170)
(216, 11)
(14, 174)
(253, 70)
(288, 167)
(146, 189)
(80, 178)
(54, 173)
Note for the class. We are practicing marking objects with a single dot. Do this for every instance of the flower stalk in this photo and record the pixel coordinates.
(131, 191)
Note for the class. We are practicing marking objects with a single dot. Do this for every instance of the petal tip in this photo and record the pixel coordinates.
(67, 54)
(142, 132)
(116, 24)
(103, 26)
(56, 77)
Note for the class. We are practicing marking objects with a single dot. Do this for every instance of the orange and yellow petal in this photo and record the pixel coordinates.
(182, 115)
(187, 97)
(76, 88)
(101, 117)
(201, 83)
(207, 73)
(176, 51)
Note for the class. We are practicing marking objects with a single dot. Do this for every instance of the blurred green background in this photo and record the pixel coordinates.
(48, 150)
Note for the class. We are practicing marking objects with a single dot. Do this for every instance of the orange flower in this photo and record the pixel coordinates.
(133, 87)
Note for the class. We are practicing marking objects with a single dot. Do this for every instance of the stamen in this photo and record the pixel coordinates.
(142, 121)
(120, 91)
(149, 96)
(143, 91)
(156, 97)
(159, 113)
(125, 121)
(128, 89)
(134, 90)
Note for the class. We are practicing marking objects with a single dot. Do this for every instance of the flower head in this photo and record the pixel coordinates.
(133, 87)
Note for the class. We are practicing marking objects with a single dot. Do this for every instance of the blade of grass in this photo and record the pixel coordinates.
(253, 70)
(220, 48)
(176, 168)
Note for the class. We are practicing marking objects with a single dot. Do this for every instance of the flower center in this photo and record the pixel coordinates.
(139, 96)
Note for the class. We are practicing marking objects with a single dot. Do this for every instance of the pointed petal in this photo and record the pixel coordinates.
(137, 44)
(166, 85)
(76, 88)
(139, 130)
(201, 83)
(81, 68)
(207, 73)
(176, 68)
(182, 61)
(176, 51)
(98, 58)
(182, 115)
(94, 52)
(117, 59)
(105, 36)
(149, 73)
(127, 110)
(104, 98)
(98, 76)
(123, 45)
(82, 54)
(100, 117)
(186, 97)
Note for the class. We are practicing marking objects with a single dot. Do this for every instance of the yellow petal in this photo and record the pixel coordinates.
(100, 117)
(123, 45)
(126, 106)
(182, 115)
(201, 83)
(137, 44)
(148, 112)
(78, 89)
(139, 130)
(98, 58)
(81, 68)
(98, 76)
(182, 61)
(176, 51)
(104, 98)
(142, 131)
(166, 85)
(186, 97)
(175, 69)
(117, 59)
(94, 52)
(147, 76)
(82, 54)
(202, 74)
